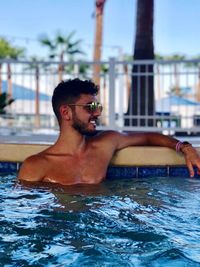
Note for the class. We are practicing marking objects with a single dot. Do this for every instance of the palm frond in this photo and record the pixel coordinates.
(5, 100)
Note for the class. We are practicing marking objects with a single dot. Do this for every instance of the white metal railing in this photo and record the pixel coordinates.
(176, 93)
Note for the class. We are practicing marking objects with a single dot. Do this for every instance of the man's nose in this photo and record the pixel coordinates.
(97, 112)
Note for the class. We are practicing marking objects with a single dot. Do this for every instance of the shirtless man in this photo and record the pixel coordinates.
(78, 159)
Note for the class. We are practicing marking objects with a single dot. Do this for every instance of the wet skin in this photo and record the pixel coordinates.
(76, 159)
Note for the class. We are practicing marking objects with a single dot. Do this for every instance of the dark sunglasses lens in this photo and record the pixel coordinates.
(100, 107)
(94, 106)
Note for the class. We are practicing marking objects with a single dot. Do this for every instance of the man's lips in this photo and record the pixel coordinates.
(93, 121)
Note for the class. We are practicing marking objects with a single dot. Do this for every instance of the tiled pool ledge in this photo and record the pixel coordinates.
(131, 162)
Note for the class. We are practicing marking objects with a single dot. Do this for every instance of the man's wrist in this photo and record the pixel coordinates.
(183, 146)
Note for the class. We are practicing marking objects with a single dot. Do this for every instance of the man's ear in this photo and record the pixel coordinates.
(65, 112)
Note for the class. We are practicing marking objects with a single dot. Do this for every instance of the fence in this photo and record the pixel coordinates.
(137, 96)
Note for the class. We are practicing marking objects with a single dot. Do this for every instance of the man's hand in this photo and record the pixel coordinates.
(192, 158)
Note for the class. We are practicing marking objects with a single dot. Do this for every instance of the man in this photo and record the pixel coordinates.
(76, 158)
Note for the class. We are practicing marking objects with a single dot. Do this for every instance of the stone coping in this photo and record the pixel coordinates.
(131, 156)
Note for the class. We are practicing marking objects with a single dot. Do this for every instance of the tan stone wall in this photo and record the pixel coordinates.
(131, 156)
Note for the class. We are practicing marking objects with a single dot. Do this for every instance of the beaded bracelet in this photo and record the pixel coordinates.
(178, 146)
(179, 143)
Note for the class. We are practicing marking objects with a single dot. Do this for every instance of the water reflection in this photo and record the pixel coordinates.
(128, 222)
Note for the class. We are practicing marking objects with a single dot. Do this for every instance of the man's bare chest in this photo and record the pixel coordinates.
(89, 168)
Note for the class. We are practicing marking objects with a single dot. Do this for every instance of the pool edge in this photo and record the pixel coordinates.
(129, 162)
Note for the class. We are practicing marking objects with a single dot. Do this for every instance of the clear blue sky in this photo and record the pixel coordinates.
(176, 24)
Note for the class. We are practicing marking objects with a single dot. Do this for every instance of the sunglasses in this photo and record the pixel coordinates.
(90, 107)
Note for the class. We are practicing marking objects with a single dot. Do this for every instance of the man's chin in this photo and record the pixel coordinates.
(90, 132)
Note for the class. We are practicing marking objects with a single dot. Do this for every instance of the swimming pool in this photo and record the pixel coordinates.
(120, 222)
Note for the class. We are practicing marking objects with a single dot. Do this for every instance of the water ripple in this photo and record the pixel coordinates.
(146, 222)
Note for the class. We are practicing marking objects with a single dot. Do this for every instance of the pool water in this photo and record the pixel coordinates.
(122, 222)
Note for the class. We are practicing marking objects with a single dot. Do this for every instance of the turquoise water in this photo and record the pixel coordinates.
(139, 222)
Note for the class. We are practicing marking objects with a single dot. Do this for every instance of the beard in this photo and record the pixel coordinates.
(82, 127)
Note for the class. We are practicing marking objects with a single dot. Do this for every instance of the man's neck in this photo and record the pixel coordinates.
(71, 142)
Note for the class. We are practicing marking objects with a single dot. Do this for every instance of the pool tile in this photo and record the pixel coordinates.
(8, 167)
(181, 171)
(121, 172)
(196, 174)
(178, 171)
(152, 172)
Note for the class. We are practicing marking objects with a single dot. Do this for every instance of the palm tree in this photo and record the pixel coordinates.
(60, 46)
(81, 68)
(127, 58)
(176, 88)
(7, 51)
(35, 67)
(142, 97)
(196, 65)
(158, 57)
(99, 8)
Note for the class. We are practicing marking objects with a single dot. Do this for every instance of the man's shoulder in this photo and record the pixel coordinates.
(109, 134)
(33, 168)
(35, 159)
(106, 138)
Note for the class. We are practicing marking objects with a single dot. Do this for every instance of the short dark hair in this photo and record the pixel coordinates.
(69, 91)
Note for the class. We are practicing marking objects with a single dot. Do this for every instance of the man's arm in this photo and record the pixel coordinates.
(191, 157)
(123, 140)
(145, 139)
(31, 170)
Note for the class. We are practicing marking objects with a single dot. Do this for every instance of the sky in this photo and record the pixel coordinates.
(176, 25)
